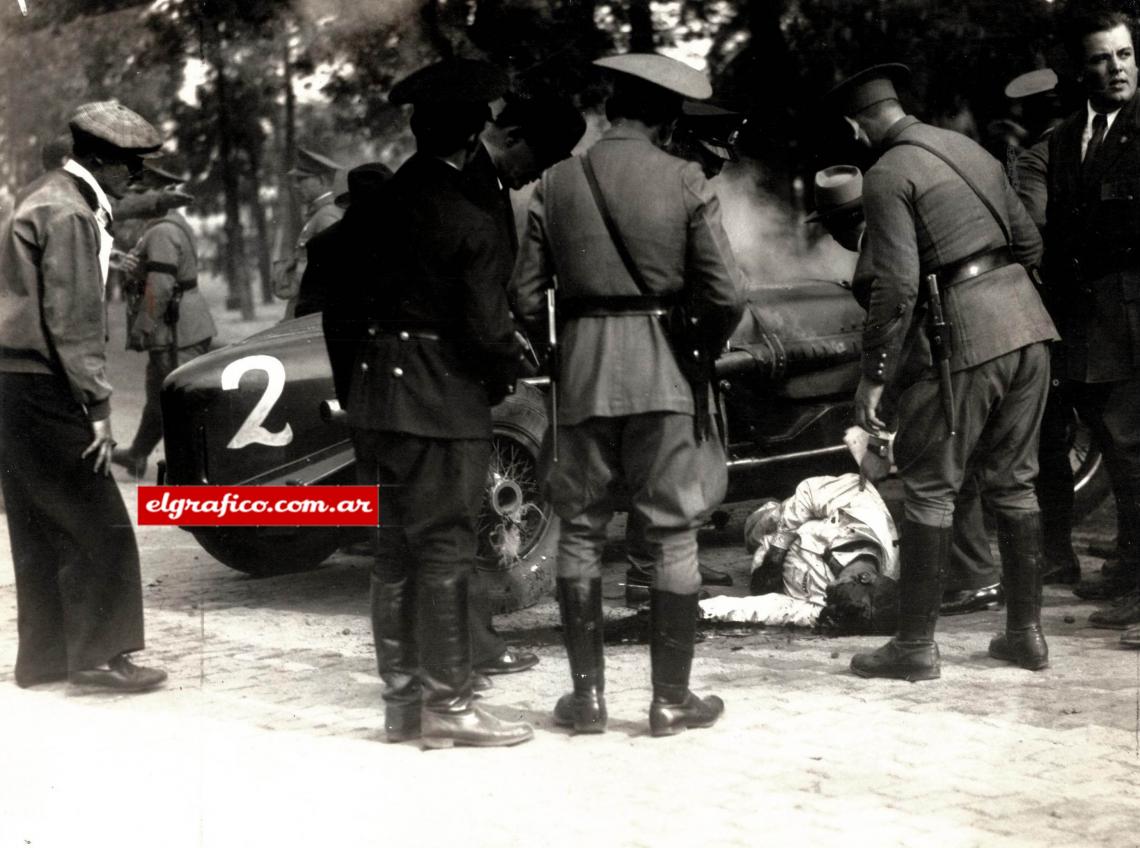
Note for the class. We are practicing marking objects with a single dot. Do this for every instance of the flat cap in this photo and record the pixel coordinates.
(116, 125)
(1031, 82)
(870, 86)
(311, 163)
(837, 189)
(453, 81)
(662, 71)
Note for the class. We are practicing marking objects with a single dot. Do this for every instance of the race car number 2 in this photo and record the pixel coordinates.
(252, 431)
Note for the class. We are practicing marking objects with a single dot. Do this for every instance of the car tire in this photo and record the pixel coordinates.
(266, 552)
(517, 546)
(1090, 476)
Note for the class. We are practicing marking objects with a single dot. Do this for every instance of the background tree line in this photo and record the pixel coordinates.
(237, 85)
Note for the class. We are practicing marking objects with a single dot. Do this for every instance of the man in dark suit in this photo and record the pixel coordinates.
(1093, 269)
(937, 204)
(78, 587)
(525, 138)
(425, 351)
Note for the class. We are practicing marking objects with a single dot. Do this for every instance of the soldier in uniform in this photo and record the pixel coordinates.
(78, 587)
(627, 418)
(313, 179)
(937, 204)
(1093, 270)
(425, 351)
(972, 579)
(166, 316)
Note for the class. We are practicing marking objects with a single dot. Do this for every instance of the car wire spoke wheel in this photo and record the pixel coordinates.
(512, 519)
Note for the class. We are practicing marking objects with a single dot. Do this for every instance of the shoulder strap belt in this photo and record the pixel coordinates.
(966, 179)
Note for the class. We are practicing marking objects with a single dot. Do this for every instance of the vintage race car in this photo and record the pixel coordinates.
(262, 411)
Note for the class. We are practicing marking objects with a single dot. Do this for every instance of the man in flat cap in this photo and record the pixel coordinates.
(942, 219)
(1093, 276)
(636, 231)
(524, 139)
(166, 314)
(78, 587)
(419, 355)
(313, 176)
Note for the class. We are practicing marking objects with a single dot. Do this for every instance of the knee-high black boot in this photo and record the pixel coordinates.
(673, 619)
(448, 717)
(1019, 540)
(393, 631)
(584, 709)
(912, 655)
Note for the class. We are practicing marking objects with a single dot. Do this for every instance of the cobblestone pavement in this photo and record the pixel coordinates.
(269, 733)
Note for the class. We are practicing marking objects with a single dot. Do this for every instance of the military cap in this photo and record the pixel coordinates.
(714, 127)
(453, 81)
(157, 177)
(837, 189)
(662, 71)
(550, 123)
(313, 164)
(1031, 82)
(117, 126)
(868, 87)
(362, 179)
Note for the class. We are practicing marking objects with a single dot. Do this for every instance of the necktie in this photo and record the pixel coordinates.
(1100, 123)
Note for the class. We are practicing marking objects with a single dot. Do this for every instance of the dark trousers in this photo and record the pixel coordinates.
(430, 494)
(159, 365)
(78, 587)
(1113, 414)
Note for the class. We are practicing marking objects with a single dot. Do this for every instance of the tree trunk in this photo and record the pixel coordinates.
(257, 209)
(640, 27)
(237, 275)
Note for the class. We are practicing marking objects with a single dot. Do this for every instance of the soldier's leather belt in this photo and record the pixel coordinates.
(604, 306)
(974, 266)
(188, 285)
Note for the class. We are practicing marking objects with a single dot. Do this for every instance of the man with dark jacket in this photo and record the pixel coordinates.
(937, 204)
(425, 351)
(78, 588)
(1093, 271)
(525, 138)
(627, 415)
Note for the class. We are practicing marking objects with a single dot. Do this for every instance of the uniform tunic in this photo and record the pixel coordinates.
(625, 411)
(170, 264)
(922, 217)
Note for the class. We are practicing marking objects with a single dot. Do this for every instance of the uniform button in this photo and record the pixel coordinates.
(404, 335)
(372, 331)
(397, 372)
(363, 366)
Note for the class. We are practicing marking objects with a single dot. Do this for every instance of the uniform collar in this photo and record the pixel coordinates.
(82, 174)
(626, 132)
(897, 128)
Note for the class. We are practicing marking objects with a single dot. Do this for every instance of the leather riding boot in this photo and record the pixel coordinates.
(1019, 540)
(393, 632)
(448, 717)
(673, 619)
(584, 709)
(924, 553)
